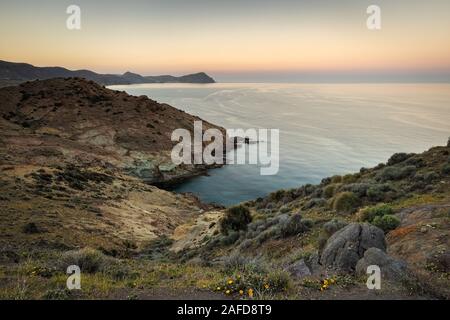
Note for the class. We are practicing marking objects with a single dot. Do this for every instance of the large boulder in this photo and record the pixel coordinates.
(391, 269)
(345, 247)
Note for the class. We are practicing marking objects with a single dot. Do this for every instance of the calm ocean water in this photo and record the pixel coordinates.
(325, 129)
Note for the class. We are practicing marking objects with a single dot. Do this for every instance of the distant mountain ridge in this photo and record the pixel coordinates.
(19, 72)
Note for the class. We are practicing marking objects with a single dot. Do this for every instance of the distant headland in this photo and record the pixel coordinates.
(14, 73)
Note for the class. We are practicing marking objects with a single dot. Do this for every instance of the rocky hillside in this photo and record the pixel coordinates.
(77, 164)
(74, 121)
(396, 216)
(75, 159)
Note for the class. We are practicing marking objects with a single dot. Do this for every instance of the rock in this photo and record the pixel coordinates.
(391, 269)
(313, 263)
(299, 269)
(345, 247)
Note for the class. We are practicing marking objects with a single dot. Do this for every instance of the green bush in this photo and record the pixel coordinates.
(345, 202)
(368, 214)
(268, 234)
(386, 223)
(119, 271)
(89, 260)
(398, 158)
(350, 178)
(277, 195)
(278, 280)
(231, 237)
(376, 193)
(256, 277)
(329, 190)
(426, 177)
(308, 223)
(292, 226)
(336, 179)
(236, 262)
(57, 294)
(360, 189)
(446, 169)
(235, 219)
(397, 173)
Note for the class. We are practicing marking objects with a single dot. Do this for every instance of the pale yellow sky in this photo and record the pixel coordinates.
(153, 37)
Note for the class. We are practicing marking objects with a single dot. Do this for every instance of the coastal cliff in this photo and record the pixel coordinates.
(75, 121)
(83, 159)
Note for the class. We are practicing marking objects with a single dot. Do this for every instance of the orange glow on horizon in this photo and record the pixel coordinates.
(249, 44)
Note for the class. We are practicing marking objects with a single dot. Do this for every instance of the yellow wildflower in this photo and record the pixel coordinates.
(228, 292)
(266, 286)
(241, 292)
(230, 281)
(250, 293)
(218, 288)
(325, 282)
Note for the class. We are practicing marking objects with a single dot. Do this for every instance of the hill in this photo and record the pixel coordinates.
(15, 73)
(318, 240)
(79, 164)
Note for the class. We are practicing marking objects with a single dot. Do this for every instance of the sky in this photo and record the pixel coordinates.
(235, 40)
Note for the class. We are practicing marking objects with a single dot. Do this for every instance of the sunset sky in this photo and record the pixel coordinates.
(232, 40)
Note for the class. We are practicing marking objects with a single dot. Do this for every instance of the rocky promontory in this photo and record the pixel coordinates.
(75, 121)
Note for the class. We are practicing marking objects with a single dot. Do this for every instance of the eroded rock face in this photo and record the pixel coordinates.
(391, 269)
(345, 247)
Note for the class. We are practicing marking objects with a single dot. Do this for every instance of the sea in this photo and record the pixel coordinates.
(324, 129)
